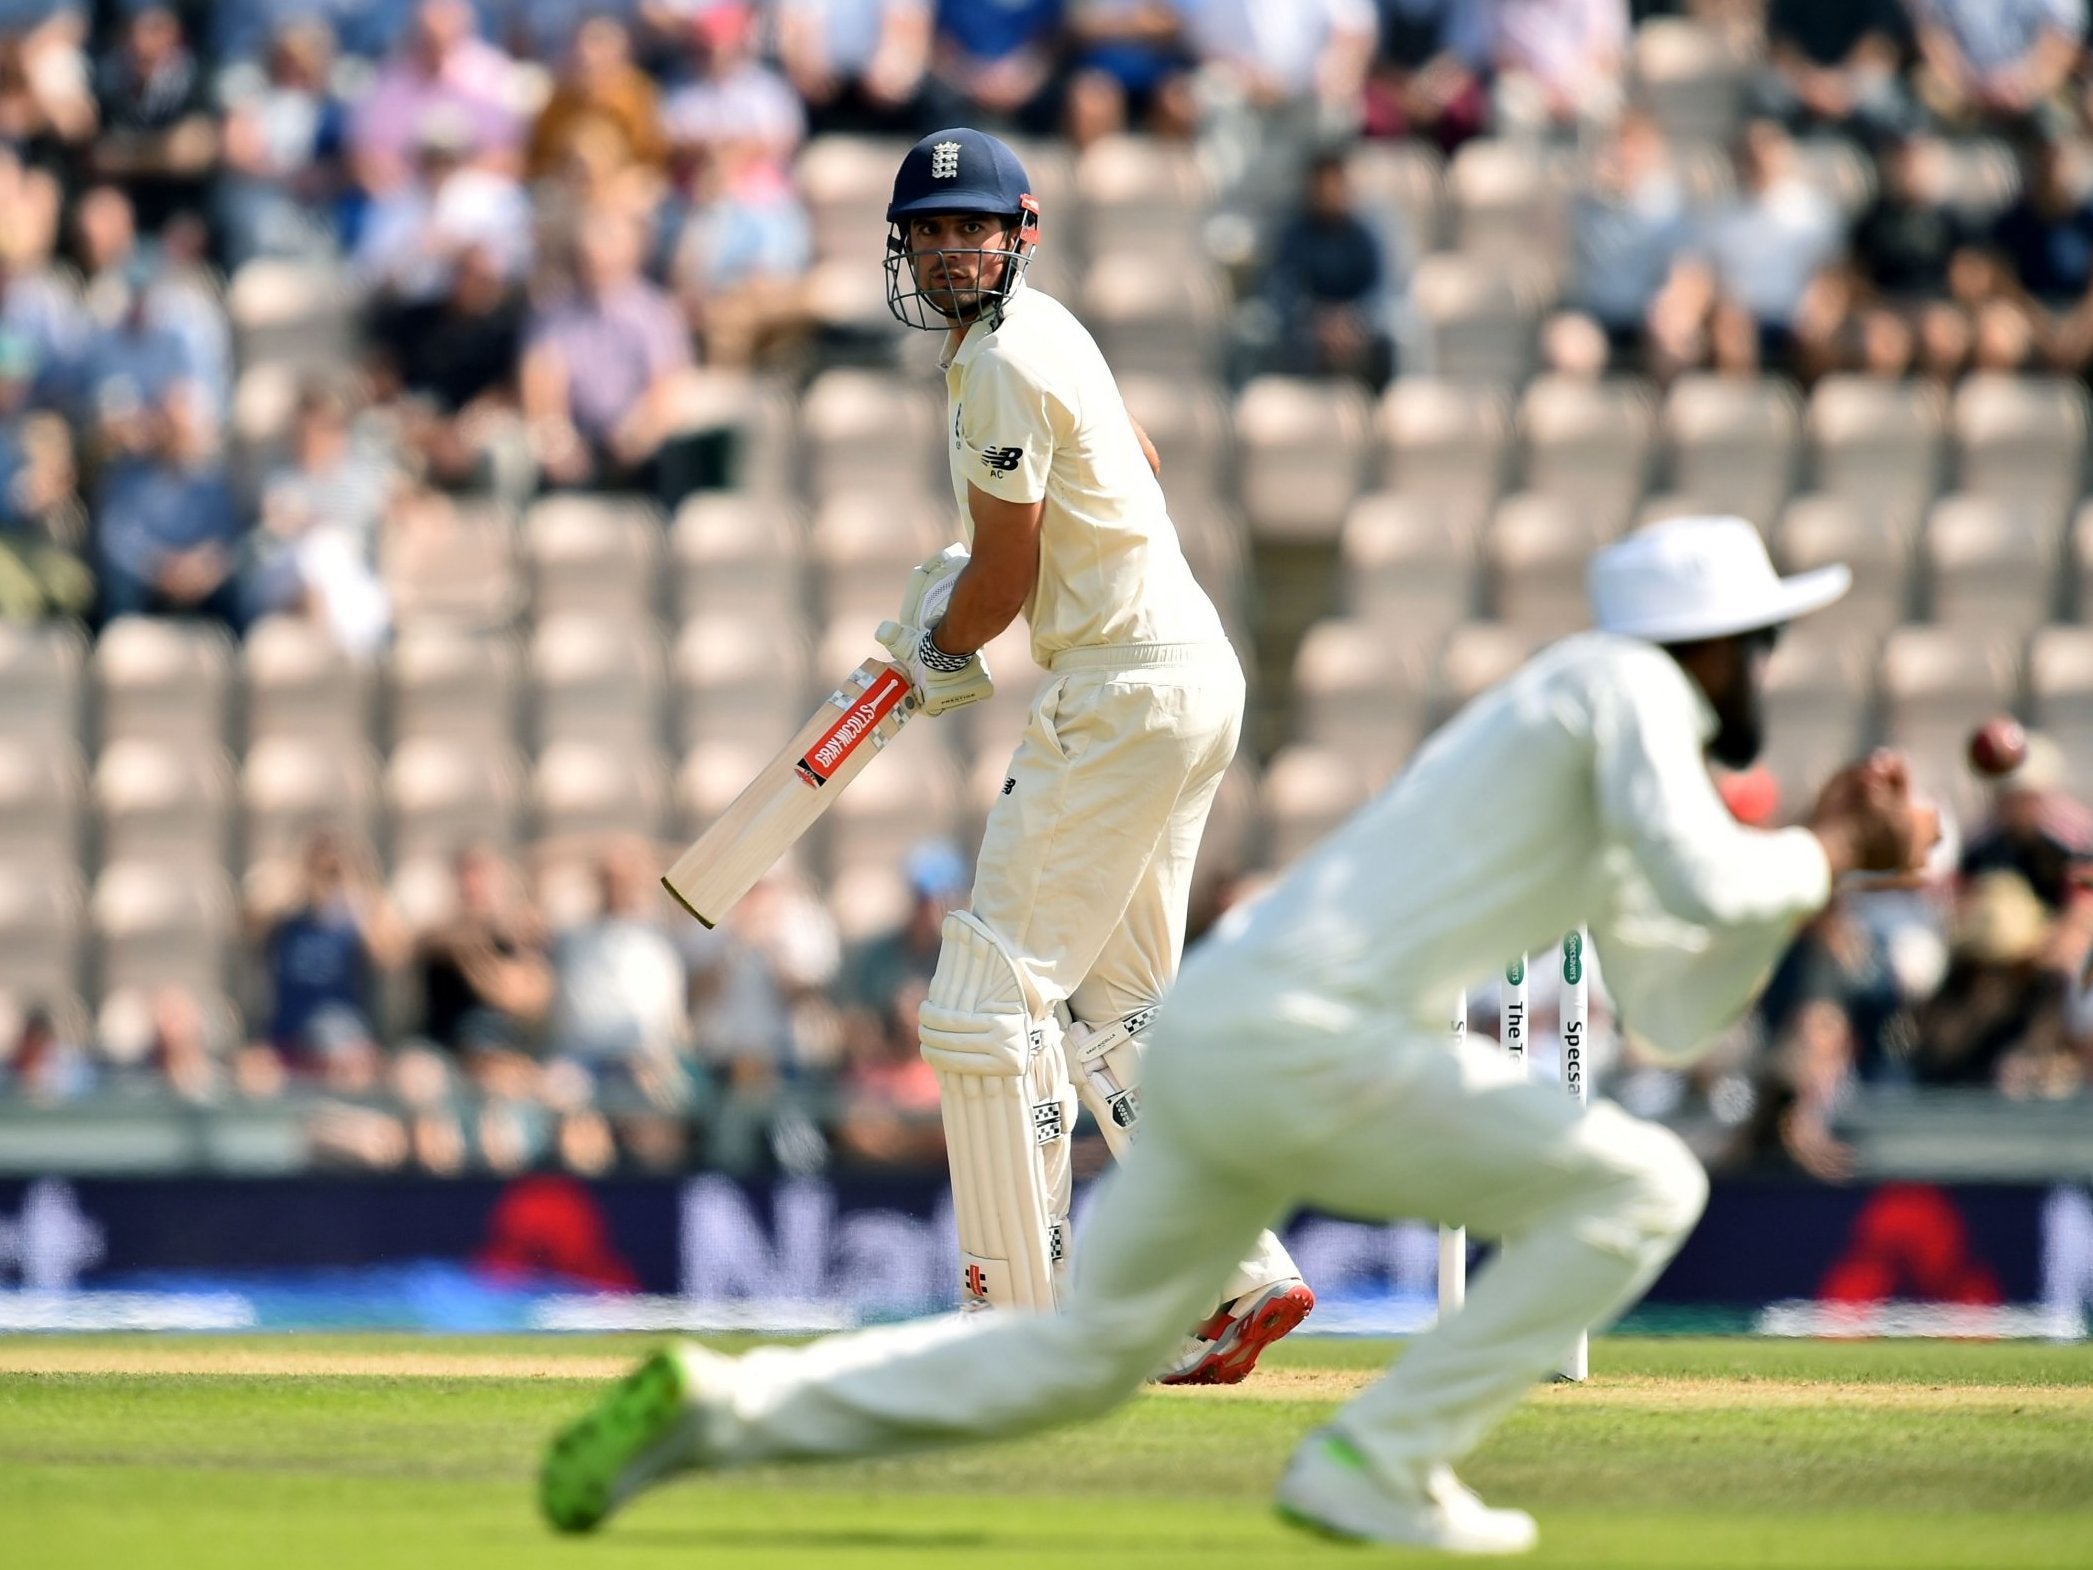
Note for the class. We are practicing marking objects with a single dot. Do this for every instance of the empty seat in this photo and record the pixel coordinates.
(1484, 315)
(444, 560)
(1939, 684)
(2079, 588)
(1732, 442)
(1510, 198)
(442, 794)
(1353, 693)
(40, 934)
(1301, 450)
(2060, 693)
(164, 802)
(867, 433)
(711, 775)
(597, 678)
(1448, 443)
(292, 787)
(1409, 572)
(1140, 195)
(1840, 170)
(299, 682)
(1536, 549)
(845, 182)
(868, 901)
(158, 925)
(910, 792)
(302, 312)
(1817, 531)
(1990, 566)
(1878, 444)
(1476, 658)
(1588, 445)
(865, 545)
(456, 682)
(586, 787)
(739, 555)
(1407, 177)
(1819, 699)
(1187, 420)
(1689, 78)
(594, 554)
(744, 679)
(42, 682)
(1155, 320)
(2021, 439)
(42, 789)
(163, 678)
(1307, 792)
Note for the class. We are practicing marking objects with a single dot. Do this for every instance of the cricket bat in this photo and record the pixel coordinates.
(795, 788)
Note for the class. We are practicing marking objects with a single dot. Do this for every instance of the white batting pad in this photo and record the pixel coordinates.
(1006, 1120)
(1106, 1061)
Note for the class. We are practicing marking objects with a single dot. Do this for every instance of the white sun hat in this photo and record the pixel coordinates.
(1691, 578)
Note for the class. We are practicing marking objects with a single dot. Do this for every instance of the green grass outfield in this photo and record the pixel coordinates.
(381, 1453)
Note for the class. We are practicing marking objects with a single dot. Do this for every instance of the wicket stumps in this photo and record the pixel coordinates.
(1513, 1014)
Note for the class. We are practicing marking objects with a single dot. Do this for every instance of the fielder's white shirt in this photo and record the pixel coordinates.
(1574, 794)
(1034, 413)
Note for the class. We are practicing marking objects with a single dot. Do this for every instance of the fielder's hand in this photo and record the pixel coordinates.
(1869, 820)
(940, 685)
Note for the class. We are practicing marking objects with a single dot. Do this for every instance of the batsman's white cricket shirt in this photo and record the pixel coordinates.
(1574, 794)
(1035, 413)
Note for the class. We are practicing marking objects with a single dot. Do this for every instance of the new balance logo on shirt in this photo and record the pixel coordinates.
(1003, 460)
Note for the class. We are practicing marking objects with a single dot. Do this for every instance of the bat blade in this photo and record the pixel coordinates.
(791, 792)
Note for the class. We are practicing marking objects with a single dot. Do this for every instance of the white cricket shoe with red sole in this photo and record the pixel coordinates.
(1224, 1349)
(1330, 1489)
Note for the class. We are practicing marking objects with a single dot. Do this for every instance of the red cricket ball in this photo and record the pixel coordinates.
(1998, 747)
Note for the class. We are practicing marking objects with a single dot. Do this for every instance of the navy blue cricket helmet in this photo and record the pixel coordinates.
(959, 171)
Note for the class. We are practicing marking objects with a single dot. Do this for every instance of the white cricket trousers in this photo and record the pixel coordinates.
(1258, 1102)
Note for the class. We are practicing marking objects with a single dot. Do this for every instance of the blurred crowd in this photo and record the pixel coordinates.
(547, 218)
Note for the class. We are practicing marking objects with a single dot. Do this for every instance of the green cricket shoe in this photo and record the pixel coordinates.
(649, 1425)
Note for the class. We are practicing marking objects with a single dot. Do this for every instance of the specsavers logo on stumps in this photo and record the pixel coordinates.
(1573, 958)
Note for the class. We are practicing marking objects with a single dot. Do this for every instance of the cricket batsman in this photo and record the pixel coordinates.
(1077, 922)
(1303, 1060)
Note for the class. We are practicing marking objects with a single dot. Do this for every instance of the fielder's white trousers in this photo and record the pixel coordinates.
(1259, 1101)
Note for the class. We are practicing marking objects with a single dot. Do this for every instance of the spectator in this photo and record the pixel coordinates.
(600, 86)
(173, 287)
(1755, 257)
(315, 551)
(38, 311)
(889, 1115)
(2000, 1009)
(441, 69)
(43, 527)
(47, 106)
(616, 1004)
(158, 139)
(1996, 62)
(412, 234)
(1556, 65)
(1329, 286)
(877, 971)
(284, 131)
(1131, 65)
(163, 1041)
(742, 259)
(1835, 63)
(483, 970)
(857, 65)
(732, 97)
(1628, 223)
(1910, 234)
(1312, 55)
(455, 359)
(1427, 76)
(166, 523)
(601, 368)
(2036, 830)
(993, 65)
(323, 951)
(45, 1063)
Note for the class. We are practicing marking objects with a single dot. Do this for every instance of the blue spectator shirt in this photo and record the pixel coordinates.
(147, 509)
(2053, 256)
(315, 961)
(997, 29)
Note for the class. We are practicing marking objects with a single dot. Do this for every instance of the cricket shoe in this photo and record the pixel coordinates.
(1329, 1489)
(1224, 1349)
(659, 1419)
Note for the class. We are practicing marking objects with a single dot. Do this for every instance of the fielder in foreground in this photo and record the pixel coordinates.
(1078, 911)
(1303, 1059)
